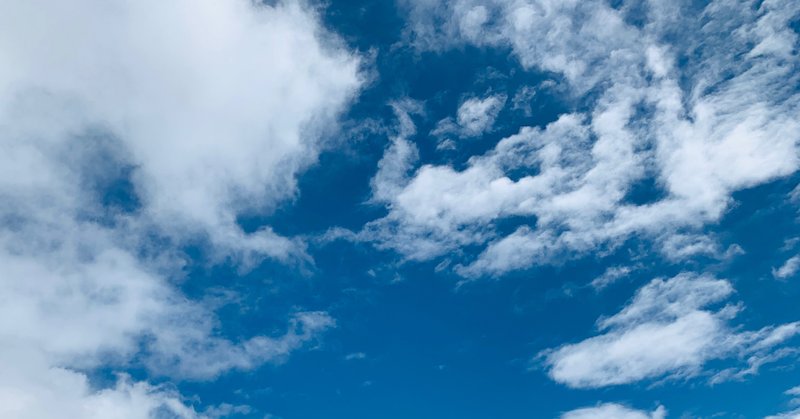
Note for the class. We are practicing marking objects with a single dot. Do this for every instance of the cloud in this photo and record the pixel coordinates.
(474, 117)
(696, 132)
(399, 158)
(788, 269)
(611, 275)
(794, 414)
(56, 392)
(355, 356)
(614, 411)
(206, 110)
(216, 106)
(667, 330)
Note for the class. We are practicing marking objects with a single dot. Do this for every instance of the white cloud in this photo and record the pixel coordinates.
(794, 414)
(475, 117)
(43, 392)
(394, 169)
(788, 269)
(699, 131)
(611, 275)
(212, 108)
(666, 330)
(355, 356)
(217, 105)
(614, 411)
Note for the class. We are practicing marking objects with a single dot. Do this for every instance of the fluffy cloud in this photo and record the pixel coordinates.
(722, 120)
(614, 411)
(207, 110)
(215, 106)
(667, 329)
(42, 392)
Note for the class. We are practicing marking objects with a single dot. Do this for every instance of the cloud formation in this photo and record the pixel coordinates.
(668, 330)
(722, 121)
(614, 411)
(130, 129)
(793, 392)
(215, 106)
(475, 117)
(788, 269)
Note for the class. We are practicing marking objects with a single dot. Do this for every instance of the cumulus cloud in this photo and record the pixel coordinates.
(724, 120)
(669, 329)
(614, 411)
(215, 105)
(207, 110)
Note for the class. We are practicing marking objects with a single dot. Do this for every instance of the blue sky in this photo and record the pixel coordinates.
(399, 209)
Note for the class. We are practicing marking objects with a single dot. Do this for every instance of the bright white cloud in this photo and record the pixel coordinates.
(668, 330)
(614, 411)
(217, 105)
(715, 124)
(210, 109)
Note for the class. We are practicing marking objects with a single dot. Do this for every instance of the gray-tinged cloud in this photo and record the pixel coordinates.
(209, 109)
(668, 329)
(723, 120)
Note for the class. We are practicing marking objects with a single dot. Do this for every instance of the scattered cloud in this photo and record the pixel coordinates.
(698, 132)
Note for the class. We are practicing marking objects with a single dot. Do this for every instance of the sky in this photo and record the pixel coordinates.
(299, 209)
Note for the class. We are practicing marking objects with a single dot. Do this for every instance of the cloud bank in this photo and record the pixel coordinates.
(130, 129)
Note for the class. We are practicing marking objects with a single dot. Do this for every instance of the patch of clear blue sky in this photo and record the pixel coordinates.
(432, 351)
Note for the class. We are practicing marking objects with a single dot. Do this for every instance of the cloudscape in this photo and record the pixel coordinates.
(301, 209)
